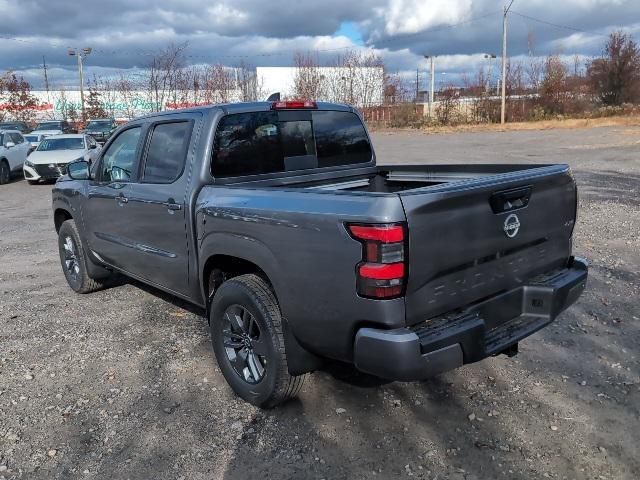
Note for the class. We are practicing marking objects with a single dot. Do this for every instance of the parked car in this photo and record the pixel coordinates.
(22, 127)
(34, 139)
(276, 219)
(54, 127)
(13, 152)
(49, 161)
(101, 129)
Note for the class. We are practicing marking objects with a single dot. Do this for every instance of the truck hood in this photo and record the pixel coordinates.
(56, 156)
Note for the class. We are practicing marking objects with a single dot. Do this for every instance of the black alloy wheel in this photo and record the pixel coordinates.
(244, 345)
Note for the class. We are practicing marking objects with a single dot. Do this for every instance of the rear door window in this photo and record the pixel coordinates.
(248, 144)
(276, 141)
(167, 152)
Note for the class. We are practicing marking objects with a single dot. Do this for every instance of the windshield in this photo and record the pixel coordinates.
(99, 124)
(48, 126)
(31, 138)
(61, 144)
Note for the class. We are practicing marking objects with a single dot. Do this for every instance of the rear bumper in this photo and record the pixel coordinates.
(485, 329)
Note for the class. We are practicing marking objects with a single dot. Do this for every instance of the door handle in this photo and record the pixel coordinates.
(172, 205)
(508, 200)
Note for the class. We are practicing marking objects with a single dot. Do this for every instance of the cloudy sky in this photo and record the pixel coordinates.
(124, 33)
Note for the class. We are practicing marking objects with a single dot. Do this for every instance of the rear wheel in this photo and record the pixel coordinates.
(5, 172)
(73, 260)
(247, 337)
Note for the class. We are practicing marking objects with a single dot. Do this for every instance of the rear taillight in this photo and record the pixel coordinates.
(382, 272)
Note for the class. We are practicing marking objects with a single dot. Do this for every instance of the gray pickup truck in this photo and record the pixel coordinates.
(275, 218)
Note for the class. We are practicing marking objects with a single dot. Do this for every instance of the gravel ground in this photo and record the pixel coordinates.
(122, 383)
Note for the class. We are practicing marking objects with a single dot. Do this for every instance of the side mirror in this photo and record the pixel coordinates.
(9, 144)
(79, 170)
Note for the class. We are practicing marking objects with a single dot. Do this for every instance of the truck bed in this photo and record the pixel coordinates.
(473, 231)
(393, 179)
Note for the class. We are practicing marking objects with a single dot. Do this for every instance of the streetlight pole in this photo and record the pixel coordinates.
(491, 57)
(81, 55)
(432, 81)
(504, 62)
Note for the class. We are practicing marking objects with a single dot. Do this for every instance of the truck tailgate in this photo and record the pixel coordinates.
(475, 238)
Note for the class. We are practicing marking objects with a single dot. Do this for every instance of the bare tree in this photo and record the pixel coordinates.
(247, 83)
(615, 76)
(126, 87)
(395, 90)
(448, 109)
(308, 80)
(218, 84)
(163, 73)
(535, 65)
(109, 94)
(554, 93)
(94, 106)
(356, 78)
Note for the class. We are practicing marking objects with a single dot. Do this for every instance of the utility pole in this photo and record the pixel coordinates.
(504, 62)
(81, 55)
(432, 81)
(46, 78)
(417, 84)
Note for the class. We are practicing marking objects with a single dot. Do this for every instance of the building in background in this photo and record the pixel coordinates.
(358, 86)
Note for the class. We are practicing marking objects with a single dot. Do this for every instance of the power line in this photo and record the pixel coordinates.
(557, 25)
(436, 29)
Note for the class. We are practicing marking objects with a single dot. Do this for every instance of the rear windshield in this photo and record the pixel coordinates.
(48, 126)
(69, 143)
(99, 124)
(277, 141)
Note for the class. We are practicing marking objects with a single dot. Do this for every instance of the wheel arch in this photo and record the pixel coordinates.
(61, 215)
(217, 268)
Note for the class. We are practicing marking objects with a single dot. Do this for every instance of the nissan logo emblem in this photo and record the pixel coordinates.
(511, 225)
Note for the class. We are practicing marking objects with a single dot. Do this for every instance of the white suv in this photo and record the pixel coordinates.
(13, 152)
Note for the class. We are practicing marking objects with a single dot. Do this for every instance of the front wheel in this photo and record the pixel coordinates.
(248, 341)
(73, 261)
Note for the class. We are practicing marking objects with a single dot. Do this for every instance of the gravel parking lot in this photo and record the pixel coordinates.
(122, 383)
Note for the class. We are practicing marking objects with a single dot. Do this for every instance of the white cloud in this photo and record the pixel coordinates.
(410, 16)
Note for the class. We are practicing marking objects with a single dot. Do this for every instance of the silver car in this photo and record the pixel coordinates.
(49, 161)
(13, 152)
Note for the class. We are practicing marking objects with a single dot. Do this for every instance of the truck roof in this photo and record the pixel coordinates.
(241, 107)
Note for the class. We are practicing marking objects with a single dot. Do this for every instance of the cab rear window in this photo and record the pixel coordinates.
(276, 141)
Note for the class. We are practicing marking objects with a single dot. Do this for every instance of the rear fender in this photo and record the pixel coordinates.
(252, 250)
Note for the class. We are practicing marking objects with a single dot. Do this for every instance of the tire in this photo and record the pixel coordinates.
(248, 341)
(73, 260)
(5, 172)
